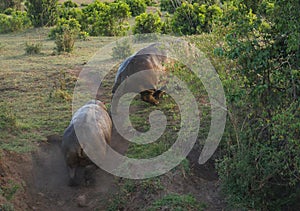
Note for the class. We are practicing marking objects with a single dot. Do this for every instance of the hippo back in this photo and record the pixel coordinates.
(82, 123)
(149, 58)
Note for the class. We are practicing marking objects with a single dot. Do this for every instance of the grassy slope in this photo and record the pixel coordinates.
(27, 82)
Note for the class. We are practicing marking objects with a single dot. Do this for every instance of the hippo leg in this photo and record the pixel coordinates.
(88, 174)
(148, 97)
(72, 174)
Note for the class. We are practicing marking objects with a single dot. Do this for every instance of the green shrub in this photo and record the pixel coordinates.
(136, 6)
(83, 35)
(261, 167)
(167, 25)
(15, 4)
(16, 22)
(107, 19)
(70, 4)
(33, 48)
(65, 34)
(70, 10)
(64, 25)
(191, 19)
(264, 175)
(42, 12)
(149, 2)
(122, 50)
(147, 23)
(9, 11)
(170, 5)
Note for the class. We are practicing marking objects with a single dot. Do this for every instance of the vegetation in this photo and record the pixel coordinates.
(15, 4)
(122, 50)
(7, 117)
(147, 23)
(17, 21)
(136, 6)
(260, 170)
(177, 202)
(194, 18)
(33, 48)
(42, 12)
(254, 46)
(108, 19)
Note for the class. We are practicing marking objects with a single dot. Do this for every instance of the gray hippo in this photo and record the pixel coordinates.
(84, 120)
(153, 58)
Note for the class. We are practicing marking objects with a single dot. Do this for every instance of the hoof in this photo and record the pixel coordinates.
(73, 183)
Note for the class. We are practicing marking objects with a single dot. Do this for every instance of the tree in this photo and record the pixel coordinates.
(147, 23)
(109, 19)
(261, 169)
(42, 12)
(15, 4)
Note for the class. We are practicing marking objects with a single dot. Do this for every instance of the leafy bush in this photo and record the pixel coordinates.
(16, 22)
(149, 2)
(122, 50)
(170, 5)
(42, 12)
(261, 167)
(108, 19)
(147, 23)
(136, 6)
(70, 4)
(14, 4)
(70, 10)
(64, 25)
(33, 48)
(194, 18)
(167, 25)
(9, 11)
(65, 35)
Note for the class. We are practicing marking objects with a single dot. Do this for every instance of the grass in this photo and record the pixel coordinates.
(37, 88)
(36, 92)
(177, 202)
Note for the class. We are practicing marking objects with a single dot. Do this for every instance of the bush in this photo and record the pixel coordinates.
(69, 4)
(42, 12)
(122, 50)
(9, 11)
(14, 4)
(70, 10)
(63, 25)
(16, 22)
(65, 35)
(107, 19)
(33, 48)
(191, 19)
(147, 23)
(149, 2)
(167, 25)
(170, 6)
(261, 167)
(136, 7)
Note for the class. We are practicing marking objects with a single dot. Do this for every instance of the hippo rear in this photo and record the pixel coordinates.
(74, 154)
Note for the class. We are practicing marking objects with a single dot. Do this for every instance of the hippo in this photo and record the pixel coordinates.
(153, 58)
(75, 157)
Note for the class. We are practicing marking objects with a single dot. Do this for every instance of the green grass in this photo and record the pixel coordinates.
(37, 88)
(177, 203)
